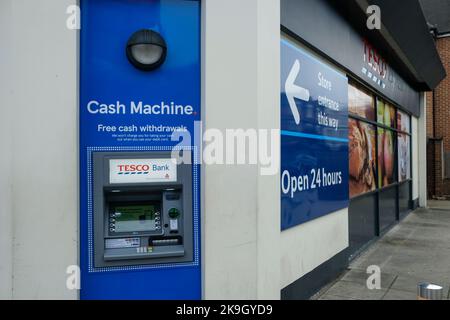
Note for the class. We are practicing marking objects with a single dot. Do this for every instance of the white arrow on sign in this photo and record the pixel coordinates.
(293, 91)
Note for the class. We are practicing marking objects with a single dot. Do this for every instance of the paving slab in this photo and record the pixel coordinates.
(332, 297)
(436, 204)
(393, 294)
(353, 290)
(414, 251)
(360, 276)
(408, 283)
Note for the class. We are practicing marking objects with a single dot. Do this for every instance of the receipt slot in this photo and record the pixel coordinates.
(142, 209)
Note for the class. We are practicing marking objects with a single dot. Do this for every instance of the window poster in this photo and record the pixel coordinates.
(386, 157)
(386, 114)
(361, 103)
(403, 122)
(404, 157)
(362, 157)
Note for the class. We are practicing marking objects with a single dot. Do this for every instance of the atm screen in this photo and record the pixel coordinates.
(135, 218)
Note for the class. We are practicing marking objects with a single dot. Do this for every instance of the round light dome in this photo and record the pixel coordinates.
(146, 50)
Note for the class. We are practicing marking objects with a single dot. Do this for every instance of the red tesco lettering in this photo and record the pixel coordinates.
(133, 167)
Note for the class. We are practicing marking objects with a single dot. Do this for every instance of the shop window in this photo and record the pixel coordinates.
(386, 114)
(386, 157)
(403, 122)
(379, 143)
(362, 157)
(404, 157)
(361, 103)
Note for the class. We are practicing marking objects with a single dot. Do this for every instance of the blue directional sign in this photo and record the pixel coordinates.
(314, 137)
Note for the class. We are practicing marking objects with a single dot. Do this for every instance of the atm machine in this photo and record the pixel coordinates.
(139, 204)
(142, 209)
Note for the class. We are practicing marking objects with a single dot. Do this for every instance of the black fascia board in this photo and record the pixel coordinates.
(404, 38)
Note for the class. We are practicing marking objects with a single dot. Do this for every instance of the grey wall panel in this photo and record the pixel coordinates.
(362, 223)
(387, 207)
(404, 198)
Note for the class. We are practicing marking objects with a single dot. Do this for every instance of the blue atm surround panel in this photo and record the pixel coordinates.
(127, 117)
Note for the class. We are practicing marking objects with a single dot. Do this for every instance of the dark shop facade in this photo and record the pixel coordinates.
(386, 73)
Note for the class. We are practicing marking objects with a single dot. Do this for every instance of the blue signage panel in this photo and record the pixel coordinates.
(123, 109)
(314, 137)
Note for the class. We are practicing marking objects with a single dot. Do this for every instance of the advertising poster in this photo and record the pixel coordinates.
(314, 137)
(362, 157)
(404, 157)
(386, 114)
(403, 122)
(386, 157)
(361, 103)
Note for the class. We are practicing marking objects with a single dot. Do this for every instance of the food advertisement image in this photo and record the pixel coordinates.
(386, 157)
(403, 122)
(361, 103)
(386, 114)
(362, 151)
(404, 157)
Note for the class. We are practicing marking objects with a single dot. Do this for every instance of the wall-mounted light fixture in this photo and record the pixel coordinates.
(146, 50)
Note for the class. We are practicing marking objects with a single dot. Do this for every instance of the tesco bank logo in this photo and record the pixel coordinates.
(142, 170)
(132, 169)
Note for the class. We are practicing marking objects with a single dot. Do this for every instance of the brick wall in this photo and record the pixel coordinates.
(429, 97)
(442, 121)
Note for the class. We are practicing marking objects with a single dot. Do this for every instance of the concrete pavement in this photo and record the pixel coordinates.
(416, 250)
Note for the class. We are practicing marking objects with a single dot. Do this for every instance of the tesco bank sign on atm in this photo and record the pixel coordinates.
(139, 206)
(314, 137)
(145, 170)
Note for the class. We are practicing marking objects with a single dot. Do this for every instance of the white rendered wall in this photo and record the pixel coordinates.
(241, 219)
(41, 182)
(307, 246)
(268, 104)
(415, 157)
(6, 99)
(422, 152)
(245, 256)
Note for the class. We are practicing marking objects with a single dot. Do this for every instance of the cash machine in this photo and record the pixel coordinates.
(142, 209)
